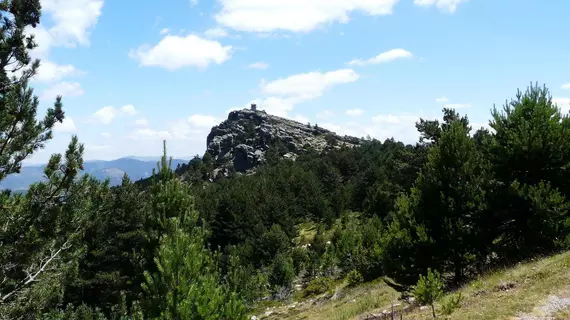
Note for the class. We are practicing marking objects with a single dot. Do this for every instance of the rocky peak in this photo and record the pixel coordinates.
(244, 138)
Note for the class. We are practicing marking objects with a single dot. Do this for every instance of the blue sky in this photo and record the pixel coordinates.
(133, 75)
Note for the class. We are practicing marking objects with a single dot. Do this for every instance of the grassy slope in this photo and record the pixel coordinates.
(504, 294)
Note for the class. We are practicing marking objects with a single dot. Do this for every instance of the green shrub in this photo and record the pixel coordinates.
(318, 286)
(429, 289)
(354, 278)
(449, 305)
(300, 259)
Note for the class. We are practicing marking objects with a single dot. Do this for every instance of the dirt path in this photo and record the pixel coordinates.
(549, 308)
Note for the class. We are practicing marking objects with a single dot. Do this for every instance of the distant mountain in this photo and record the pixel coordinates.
(115, 169)
(154, 158)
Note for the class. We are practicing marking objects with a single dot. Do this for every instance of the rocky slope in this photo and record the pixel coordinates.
(243, 140)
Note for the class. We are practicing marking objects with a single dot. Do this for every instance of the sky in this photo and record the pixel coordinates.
(132, 76)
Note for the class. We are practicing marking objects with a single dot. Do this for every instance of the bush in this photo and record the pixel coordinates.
(282, 273)
(318, 286)
(354, 278)
(429, 289)
(300, 259)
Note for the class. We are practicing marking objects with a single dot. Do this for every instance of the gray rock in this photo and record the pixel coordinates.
(243, 139)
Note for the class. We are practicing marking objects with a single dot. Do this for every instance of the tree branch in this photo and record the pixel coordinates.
(32, 276)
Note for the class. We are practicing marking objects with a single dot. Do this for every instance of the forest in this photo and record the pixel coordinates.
(459, 202)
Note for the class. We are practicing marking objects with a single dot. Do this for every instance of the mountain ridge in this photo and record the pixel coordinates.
(243, 140)
(100, 169)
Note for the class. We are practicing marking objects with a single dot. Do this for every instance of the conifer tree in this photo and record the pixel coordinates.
(187, 283)
(444, 222)
(530, 152)
(39, 228)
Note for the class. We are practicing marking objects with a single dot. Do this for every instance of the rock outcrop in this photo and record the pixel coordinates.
(242, 141)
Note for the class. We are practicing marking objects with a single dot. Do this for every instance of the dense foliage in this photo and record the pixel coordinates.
(183, 245)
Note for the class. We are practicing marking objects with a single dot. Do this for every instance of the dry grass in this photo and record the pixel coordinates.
(504, 294)
(351, 303)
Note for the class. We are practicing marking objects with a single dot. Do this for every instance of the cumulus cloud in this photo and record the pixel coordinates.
(164, 31)
(283, 94)
(143, 134)
(129, 109)
(106, 114)
(565, 86)
(383, 57)
(309, 85)
(449, 6)
(175, 52)
(51, 72)
(202, 121)
(178, 130)
(277, 106)
(67, 125)
(65, 89)
(562, 103)
(294, 15)
(73, 20)
(258, 65)
(301, 118)
(141, 122)
(354, 112)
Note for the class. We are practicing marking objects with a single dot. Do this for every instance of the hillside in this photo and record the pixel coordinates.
(100, 169)
(532, 290)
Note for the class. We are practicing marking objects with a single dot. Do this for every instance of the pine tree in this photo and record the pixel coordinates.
(39, 228)
(187, 283)
(530, 152)
(429, 289)
(444, 223)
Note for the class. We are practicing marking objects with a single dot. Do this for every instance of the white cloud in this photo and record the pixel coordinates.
(258, 65)
(73, 20)
(276, 105)
(164, 31)
(354, 112)
(106, 135)
(294, 15)
(325, 114)
(193, 2)
(144, 134)
(141, 122)
(175, 52)
(441, 100)
(301, 118)
(50, 72)
(309, 85)
(105, 115)
(285, 93)
(457, 105)
(178, 130)
(202, 121)
(67, 125)
(444, 5)
(129, 109)
(216, 33)
(65, 89)
(562, 103)
(383, 57)
(565, 86)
